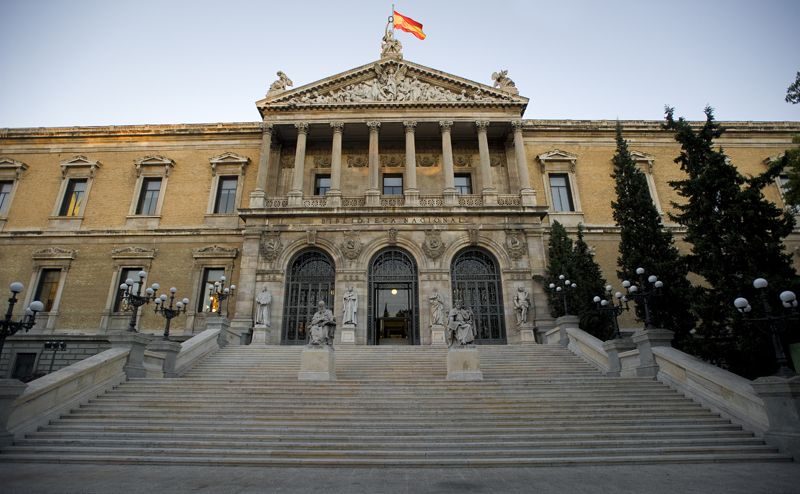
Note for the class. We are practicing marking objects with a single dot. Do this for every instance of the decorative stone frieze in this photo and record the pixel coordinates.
(55, 253)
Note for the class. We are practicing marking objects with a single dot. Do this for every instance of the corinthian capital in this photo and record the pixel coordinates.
(517, 125)
(445, 125)
(337, 126)
(266, 128)
(302, 127)
(373, 125)
(410, 125)
(482, 125)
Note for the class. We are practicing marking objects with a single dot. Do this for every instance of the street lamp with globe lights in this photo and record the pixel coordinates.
(613, 306)
(564, 285)
(219, 292)
(643, 292)
(776, 324)
(9, 327)
(171, 311)
(132, 297)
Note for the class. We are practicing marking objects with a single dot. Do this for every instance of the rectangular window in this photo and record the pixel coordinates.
(47, 288)
(226, 195)
(559, 190)
(74, 196)
(463, 183)
(322, 184)
(132, 273)
(148, 197)
(5, 196)
(207, 302)
(392, 185)
(23, 367)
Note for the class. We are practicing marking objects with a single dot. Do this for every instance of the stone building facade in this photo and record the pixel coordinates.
(395, 179)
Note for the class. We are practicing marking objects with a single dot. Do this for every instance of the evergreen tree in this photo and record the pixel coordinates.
(793, 91)
(559, 261)
(645, 243)
(790, 163)
(736, 236)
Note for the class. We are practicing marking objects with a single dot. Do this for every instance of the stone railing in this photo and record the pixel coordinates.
(195, 349)
(392, 201)
(354, 202)
(276, 202)
(470, 200)
(423, 201)
(50, 396)
(154, 363)
(315, 202)
(587, 346)
(427, 201)
(509, 200)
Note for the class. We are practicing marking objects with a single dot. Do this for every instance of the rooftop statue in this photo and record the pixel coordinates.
(390, 46)
(503, 82)
(281, 84)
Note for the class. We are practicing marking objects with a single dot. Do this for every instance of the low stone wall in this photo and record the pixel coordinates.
(552, 336)
(588, 347)
(50, 396)
(722, 391)
(195, 349)
(79, 347)
(629, 361)
(154, 364)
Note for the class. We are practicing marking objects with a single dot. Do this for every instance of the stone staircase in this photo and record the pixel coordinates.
(391, 406)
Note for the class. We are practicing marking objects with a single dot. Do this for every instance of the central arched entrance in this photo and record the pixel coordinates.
(310, 278)
(393, 315)
(475, 277)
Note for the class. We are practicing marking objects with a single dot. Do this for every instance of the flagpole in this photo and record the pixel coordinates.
(391, 17)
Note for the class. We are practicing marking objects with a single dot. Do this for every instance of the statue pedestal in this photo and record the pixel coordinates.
(438, 337)
(464, 364)
(526, 333)
(348, 334)
(259, 335)
(317, 364)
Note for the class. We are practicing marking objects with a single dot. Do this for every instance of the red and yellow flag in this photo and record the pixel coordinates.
(408, 25)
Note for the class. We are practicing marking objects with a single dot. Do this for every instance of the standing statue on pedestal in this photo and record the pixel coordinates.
(391, 46)
(322, 327)
(521, 305)
(437, 308)
(461, 325)
(350, 309)
(264, 301)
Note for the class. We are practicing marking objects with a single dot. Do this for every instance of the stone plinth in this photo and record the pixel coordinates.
(317, 364)
(348, 334)
(526, 333)
(781, 398)
(645, 341)
(438, 337)
(563, 323)
(464, 364)
(613, 348)
(10, 390)
(259, 335)
(136, 343)
(170, 349)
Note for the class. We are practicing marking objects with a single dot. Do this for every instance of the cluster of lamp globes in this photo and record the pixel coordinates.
(567, 284)
(631, 288)
(34, 307)
(788, 298)
(216, 290)
(150, 292)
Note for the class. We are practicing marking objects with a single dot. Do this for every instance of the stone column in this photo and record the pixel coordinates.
(410, 190)
(527, 194)
(449, 191)
(242, 321)
(334, 195)
(645, 340)
(373, 193)
(488, 191)
(258, 196)
(296, 194)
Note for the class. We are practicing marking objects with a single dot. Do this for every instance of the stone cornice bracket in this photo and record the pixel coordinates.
(79, 162)
(337, 127)
(446, 125)
(482, 125)
(374, 125)
(410, 125)
(302, 127)
(215, 252)
(229, 158)
(17, 167)
(133, 253)
(52, 253)
(155, 161)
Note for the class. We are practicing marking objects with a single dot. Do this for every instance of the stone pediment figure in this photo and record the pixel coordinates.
(264, 303)
(280, 85)
(391, 46)
(350, 307)
(503, 82)
(322, 327)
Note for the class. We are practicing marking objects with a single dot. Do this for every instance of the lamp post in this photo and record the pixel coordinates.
(564, 285)
(132, 298)
(643, 291)
(613, 306)
(9, 327)
(56, 346)
(169, 312)
(775, 323)
(219, 292)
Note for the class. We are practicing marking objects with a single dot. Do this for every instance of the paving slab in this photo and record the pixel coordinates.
(731, 478)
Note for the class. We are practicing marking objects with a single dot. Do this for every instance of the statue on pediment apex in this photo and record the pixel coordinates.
(281, 84)
(503, 82)
(391, 46)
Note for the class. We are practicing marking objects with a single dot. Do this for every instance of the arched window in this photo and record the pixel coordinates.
(393, 315)
(310, 278)
(475, 279)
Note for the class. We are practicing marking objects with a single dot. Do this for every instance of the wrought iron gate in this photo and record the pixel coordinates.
(310, 278)
(392, 267)
(475, 280)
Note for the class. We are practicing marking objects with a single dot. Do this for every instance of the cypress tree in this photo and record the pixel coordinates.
(736, 236)
(645, 243)
(559, 261)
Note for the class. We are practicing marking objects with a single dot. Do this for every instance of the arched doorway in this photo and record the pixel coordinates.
(475, 279)
(393, 314)
(309, 279)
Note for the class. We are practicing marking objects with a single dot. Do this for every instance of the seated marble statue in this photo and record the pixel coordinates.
(322, 327)
(461, 325)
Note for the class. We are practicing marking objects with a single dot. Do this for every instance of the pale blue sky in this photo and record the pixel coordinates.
(107, 62)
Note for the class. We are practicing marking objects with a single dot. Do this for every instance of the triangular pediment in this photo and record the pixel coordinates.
(640, 156)
(390, 83)
(557, 155)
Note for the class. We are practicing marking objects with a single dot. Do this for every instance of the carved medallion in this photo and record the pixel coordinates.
(473, 236)
(427, 160)
(433, 245)
(515, 244)
(351, 247)
(392, 236)
(270, 246)
(311, 237)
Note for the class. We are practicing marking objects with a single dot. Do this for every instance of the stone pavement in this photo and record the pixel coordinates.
(729, 478)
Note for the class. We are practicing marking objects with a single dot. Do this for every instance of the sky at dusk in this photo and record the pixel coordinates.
(80, 62)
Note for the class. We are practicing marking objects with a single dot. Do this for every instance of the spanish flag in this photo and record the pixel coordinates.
(408, 25)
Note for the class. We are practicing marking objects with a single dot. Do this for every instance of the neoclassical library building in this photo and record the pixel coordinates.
(394, 179)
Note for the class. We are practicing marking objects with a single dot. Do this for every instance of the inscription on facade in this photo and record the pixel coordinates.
(389, 220)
